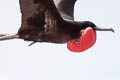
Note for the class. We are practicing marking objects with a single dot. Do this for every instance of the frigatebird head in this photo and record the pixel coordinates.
(87, 36)
(85, 24)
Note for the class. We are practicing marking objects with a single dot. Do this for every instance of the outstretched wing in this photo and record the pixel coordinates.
(66, 8)
(38, 13)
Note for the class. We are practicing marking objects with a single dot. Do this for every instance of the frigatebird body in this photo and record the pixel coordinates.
(50, 21)
(46, 22)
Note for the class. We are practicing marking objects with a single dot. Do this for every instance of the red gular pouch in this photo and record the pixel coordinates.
(86, 40)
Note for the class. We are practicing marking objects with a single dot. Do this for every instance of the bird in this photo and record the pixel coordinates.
(52, 21)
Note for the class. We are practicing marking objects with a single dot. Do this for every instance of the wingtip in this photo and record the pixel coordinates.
(8, 36)
(113, 30)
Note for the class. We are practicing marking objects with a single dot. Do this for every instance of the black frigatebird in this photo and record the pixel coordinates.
(53, 21)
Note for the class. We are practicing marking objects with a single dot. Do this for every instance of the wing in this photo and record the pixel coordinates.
(38, 13)
(66, 8)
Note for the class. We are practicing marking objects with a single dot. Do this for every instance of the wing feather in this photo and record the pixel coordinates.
(66, 8)
(38, 13)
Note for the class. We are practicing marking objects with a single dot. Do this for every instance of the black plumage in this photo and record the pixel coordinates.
(50, 21)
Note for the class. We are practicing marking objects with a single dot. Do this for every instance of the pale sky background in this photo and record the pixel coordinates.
(46, 61)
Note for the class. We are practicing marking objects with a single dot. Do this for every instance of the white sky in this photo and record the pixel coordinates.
(46, 61)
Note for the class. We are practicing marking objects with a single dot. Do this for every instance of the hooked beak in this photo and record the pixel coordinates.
(103, 29)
